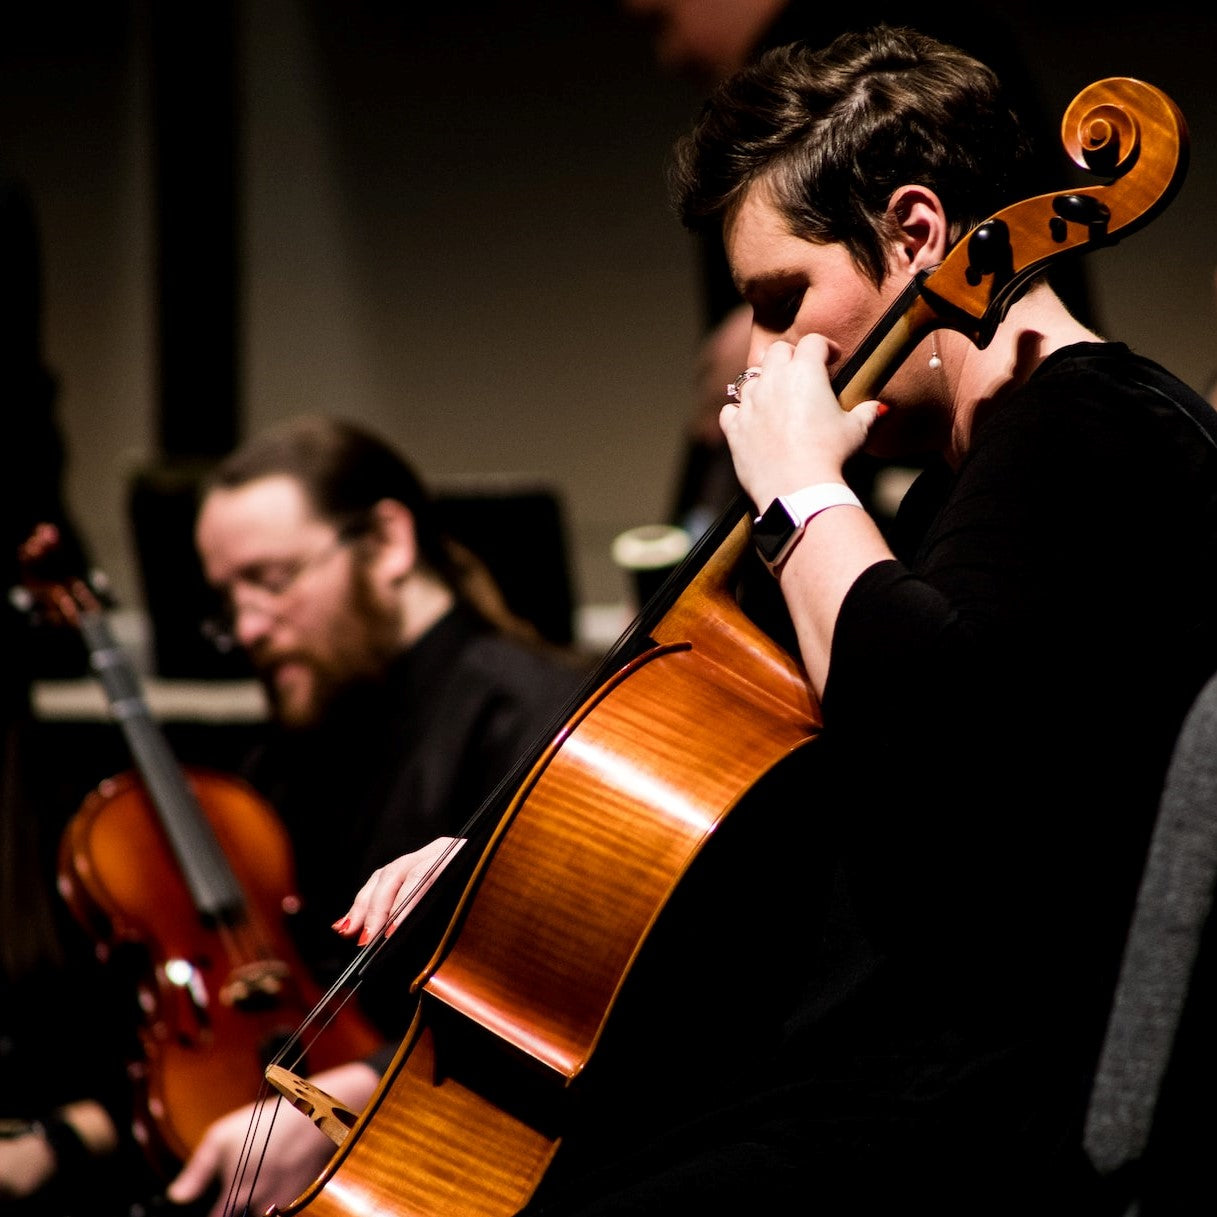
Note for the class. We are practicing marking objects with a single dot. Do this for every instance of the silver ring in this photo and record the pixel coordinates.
(736, 387)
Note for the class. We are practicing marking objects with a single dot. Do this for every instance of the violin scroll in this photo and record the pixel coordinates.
(51, 590)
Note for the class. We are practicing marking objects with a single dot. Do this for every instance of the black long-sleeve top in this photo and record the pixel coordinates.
(942, 884)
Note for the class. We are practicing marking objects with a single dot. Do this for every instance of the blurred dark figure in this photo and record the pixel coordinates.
(65, 1017)
(64, 1098)
(1210, 386)
(32, 452)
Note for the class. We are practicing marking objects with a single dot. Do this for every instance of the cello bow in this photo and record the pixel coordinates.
(691, 709)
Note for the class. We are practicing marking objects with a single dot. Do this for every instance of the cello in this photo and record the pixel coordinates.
(695, 707)
(192, 870)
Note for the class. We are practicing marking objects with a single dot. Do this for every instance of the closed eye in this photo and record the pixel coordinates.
(776, 311)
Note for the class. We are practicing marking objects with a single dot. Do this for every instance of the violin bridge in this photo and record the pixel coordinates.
(334, 1119)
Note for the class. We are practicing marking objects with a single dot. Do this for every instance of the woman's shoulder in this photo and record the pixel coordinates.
(1112, 390)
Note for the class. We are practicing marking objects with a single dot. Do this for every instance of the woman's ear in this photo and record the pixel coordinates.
(920, 226)
(394, 540)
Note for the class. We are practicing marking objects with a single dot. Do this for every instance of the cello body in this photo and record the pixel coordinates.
(697, 706)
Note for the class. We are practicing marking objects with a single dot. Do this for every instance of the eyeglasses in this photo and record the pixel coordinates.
(262, 588)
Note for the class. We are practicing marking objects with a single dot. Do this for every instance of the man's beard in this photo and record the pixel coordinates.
(362, 639)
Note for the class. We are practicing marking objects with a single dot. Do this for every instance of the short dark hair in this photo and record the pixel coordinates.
(834, 132)
(344, 470)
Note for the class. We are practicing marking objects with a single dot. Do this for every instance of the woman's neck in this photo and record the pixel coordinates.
(1037, 324)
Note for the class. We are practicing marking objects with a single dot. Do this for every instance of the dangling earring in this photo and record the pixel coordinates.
(935, 358)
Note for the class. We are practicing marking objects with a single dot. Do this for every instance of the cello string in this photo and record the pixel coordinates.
(238, 1180)
(495, 806)
(345, 986)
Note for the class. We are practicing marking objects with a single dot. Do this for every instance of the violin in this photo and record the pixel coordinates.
(193, 870)
(694, 707)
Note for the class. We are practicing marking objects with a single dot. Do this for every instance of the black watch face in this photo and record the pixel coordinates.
(772, 531)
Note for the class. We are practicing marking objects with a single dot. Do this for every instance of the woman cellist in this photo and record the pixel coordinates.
(999, 695)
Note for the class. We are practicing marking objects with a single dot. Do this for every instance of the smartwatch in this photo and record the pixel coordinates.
(776, 531)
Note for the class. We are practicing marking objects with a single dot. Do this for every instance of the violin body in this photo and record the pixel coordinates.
(219, 996)
(188, 875)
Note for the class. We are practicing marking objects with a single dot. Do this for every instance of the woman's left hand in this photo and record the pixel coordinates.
(394, 890)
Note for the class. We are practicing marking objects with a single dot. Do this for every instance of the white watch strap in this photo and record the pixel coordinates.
(811, 500)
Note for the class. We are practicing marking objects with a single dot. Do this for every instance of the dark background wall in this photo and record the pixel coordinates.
(451, 224)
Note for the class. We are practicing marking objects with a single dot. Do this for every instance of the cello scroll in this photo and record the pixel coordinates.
(1118, 127)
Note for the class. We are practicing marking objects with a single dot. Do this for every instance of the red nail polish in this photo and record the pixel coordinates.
(882, 409)
(364, 938)
(342, 926)
(389, 930)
